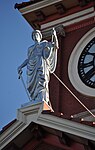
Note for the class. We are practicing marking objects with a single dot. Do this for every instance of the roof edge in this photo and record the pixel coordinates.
(33, 113)
(25, 4)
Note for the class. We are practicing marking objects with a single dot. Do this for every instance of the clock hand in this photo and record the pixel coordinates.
(89, 74)
(85, 65)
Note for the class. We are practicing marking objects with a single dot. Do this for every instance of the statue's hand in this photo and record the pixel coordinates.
(54, 31)
(19, 70)
(54, 38)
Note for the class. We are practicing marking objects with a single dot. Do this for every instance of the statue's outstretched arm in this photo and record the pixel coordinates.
(22, 65)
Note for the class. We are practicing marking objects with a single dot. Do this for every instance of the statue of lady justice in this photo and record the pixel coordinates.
(41, 61)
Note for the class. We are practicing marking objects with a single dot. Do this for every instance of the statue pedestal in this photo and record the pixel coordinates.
(30, 103)
(46, 105)
(31, 110)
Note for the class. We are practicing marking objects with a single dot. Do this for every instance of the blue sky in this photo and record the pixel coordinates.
(15, 38)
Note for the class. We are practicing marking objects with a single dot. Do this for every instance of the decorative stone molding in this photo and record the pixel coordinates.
(80, 25)
(71, 19)
(38, 6)
(59, 29)
(33, 113)
(25, 115)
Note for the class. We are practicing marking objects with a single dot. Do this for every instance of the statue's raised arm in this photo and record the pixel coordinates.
(41, 61)
(54, 38)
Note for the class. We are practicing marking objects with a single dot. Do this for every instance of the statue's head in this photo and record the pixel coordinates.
(36, 35)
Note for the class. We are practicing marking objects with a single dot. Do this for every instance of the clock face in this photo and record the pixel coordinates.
(86, 64)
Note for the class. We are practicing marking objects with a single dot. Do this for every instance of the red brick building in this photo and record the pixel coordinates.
(70, 125)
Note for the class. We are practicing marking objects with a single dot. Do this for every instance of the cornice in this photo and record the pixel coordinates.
(67, 126)
(71, 19)
(25, 115)
(33, 113)
(38, 6)
(11, 133)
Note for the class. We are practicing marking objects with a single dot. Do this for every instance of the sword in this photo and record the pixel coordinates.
(21, 77)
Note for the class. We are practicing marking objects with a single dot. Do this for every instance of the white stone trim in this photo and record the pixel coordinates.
(67, 126)
(25, 115)
(73, 62)
(32, 113)
(11, 133)
(37, 6)
(71, 19)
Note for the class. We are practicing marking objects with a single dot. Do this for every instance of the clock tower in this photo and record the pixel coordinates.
(74, 22)
(71, 121)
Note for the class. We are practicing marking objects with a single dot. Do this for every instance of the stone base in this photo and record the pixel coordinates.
(46, 106)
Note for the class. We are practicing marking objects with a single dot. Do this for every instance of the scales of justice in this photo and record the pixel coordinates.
(41, 61)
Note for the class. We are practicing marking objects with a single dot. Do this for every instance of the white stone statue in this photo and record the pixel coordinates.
(41, 61)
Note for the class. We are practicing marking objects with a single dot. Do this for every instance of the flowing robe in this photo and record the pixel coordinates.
(42, 58)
